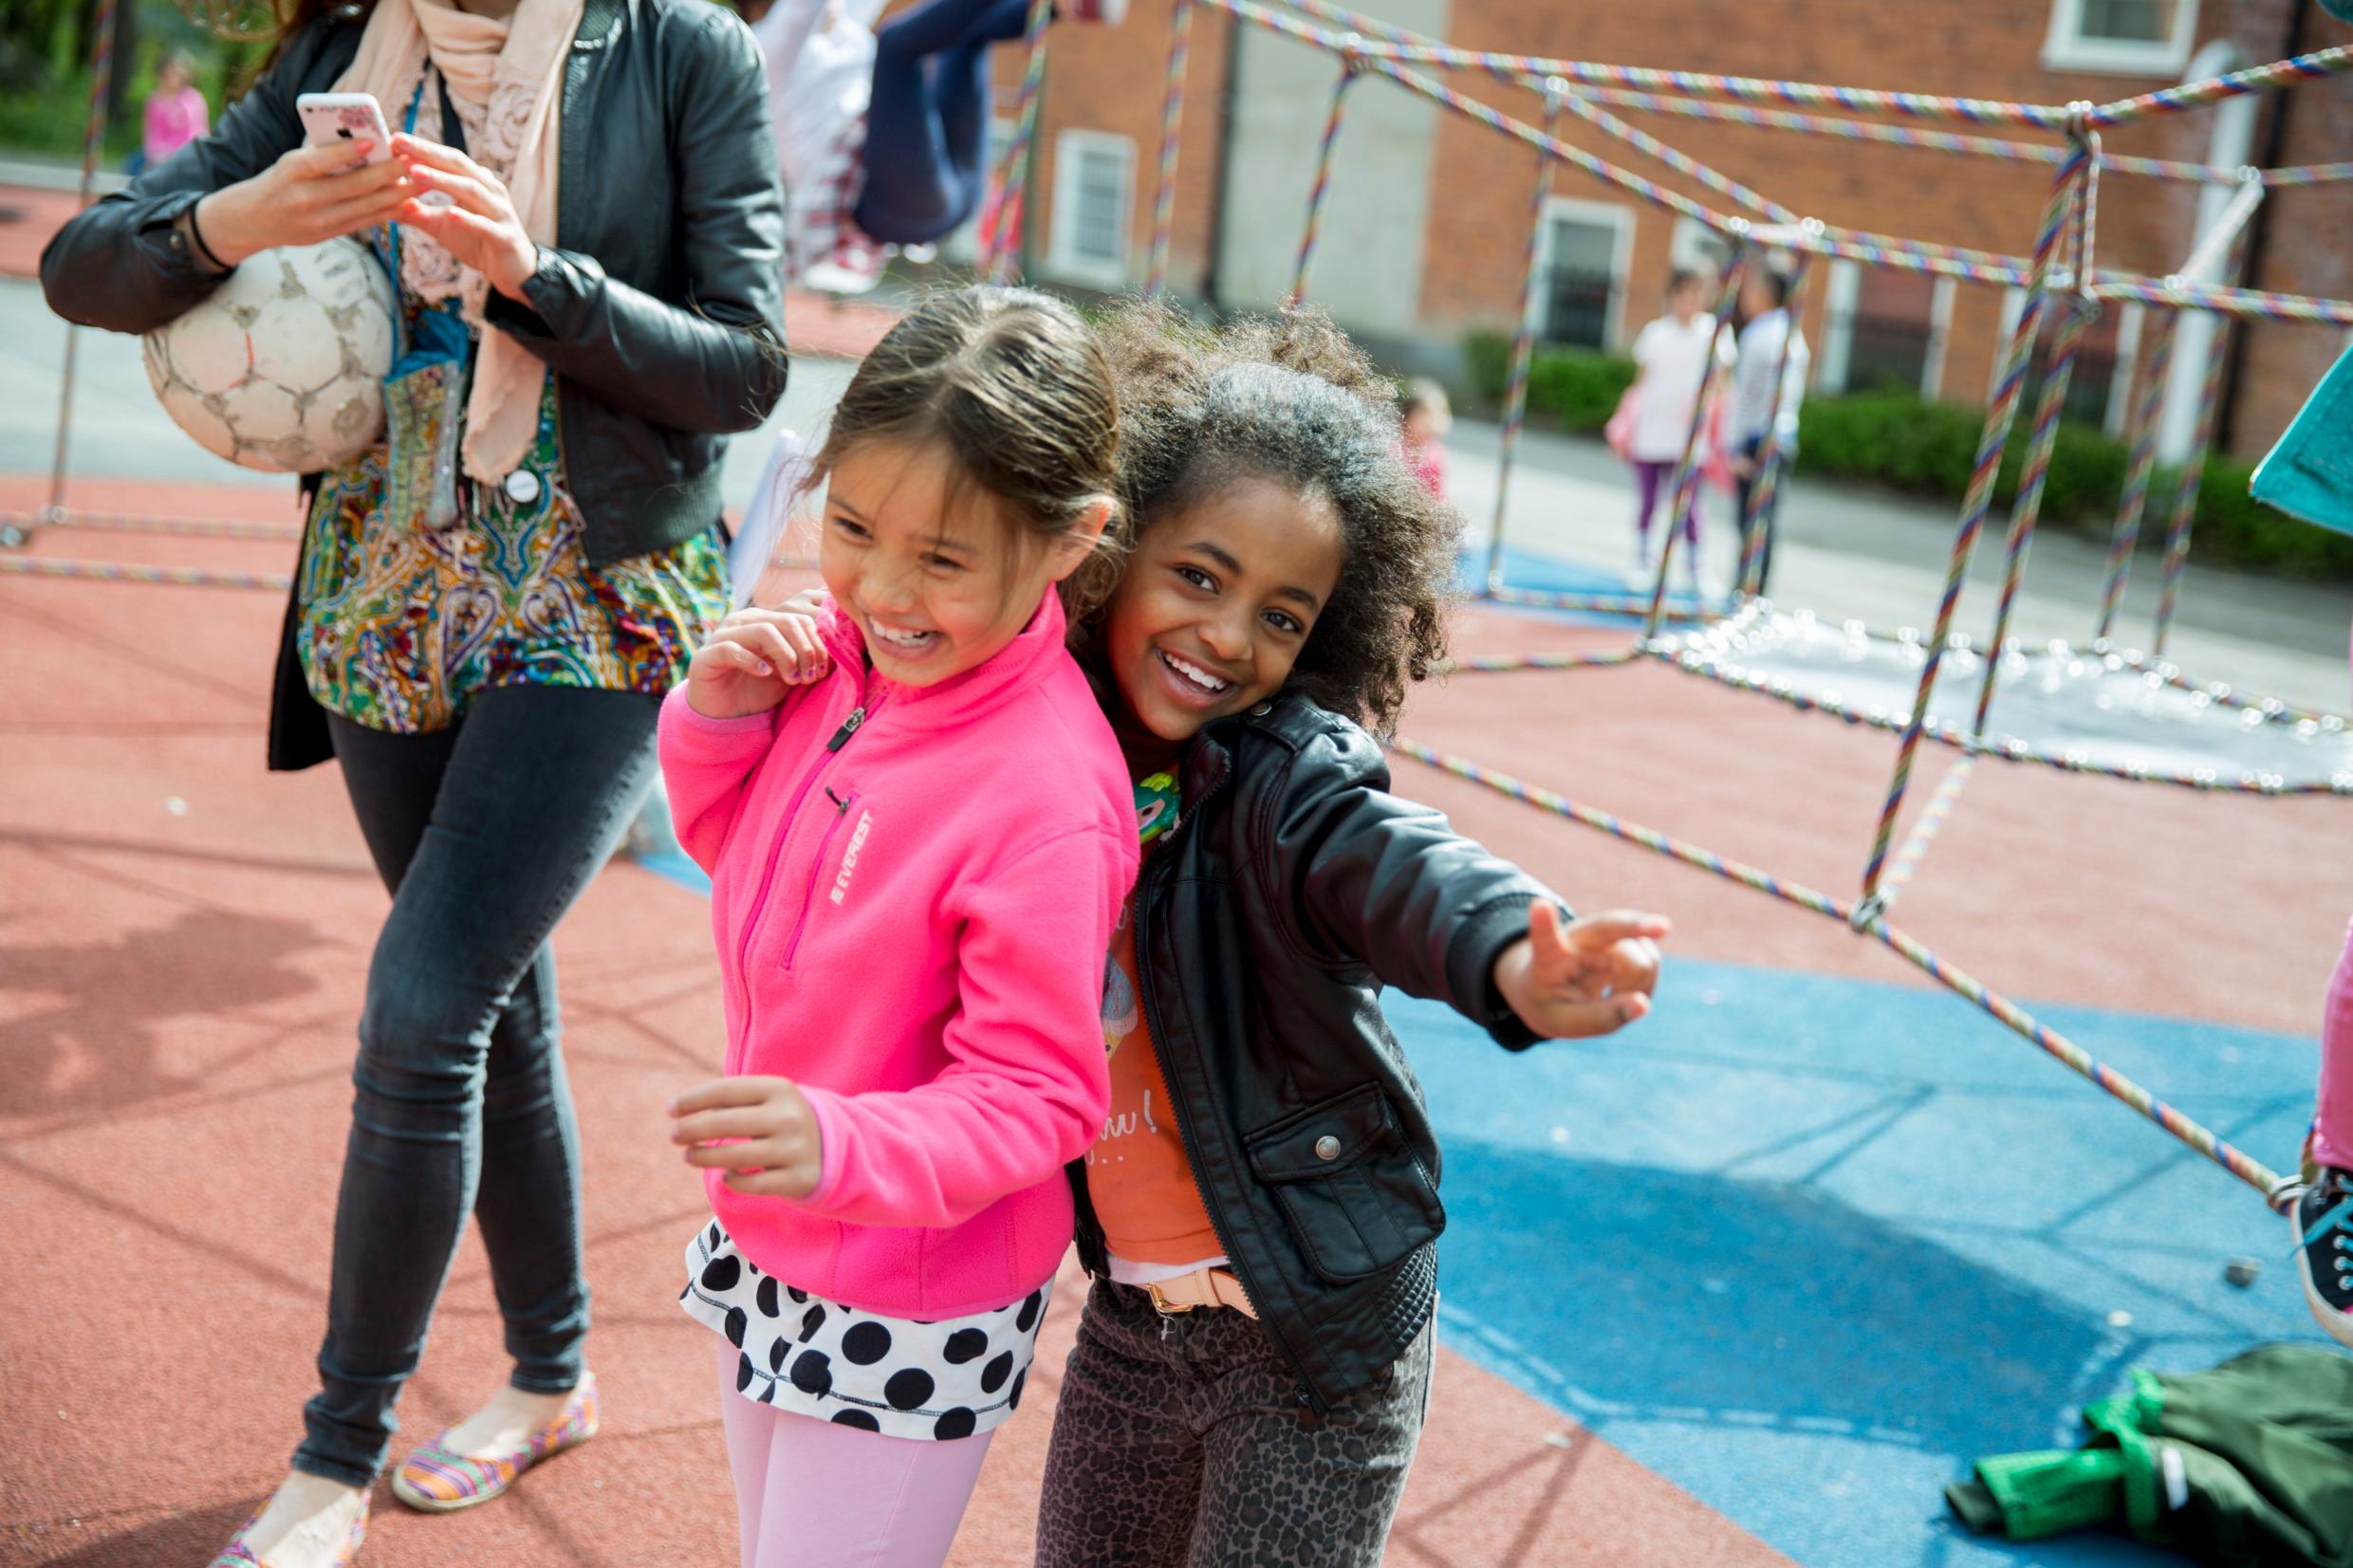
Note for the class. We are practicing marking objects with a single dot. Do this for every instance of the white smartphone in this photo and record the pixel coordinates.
(329, 118)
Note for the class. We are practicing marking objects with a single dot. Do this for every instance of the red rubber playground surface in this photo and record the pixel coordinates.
(183, 941)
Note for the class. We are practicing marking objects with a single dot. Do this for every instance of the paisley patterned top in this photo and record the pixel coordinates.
(400, 625)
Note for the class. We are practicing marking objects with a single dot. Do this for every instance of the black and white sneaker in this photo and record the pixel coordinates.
(2323, 1221)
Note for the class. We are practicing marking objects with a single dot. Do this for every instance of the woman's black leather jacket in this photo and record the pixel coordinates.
(660, 307)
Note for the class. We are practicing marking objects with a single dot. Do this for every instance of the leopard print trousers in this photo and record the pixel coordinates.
(1180, 1441)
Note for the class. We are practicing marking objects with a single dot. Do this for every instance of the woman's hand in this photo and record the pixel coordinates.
(1591, 977)
(759, 1131)
(475, 220)
(748, 660)
(312, 194)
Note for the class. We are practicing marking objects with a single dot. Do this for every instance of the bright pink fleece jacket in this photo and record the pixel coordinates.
(912, 912)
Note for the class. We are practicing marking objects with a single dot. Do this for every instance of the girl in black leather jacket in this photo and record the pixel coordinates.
(1251, 1371)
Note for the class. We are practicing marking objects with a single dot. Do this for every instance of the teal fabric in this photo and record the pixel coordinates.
(2309, 475)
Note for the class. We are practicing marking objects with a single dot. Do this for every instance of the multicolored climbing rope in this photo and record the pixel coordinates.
(2260, 304)
(2068, 187)
(1682, 487)
(2255, 79)
(114, 571)
(1523, 352)
(1618, 827)
(1172, 120)
(1754, 518)
(1923, 833)
(2028, 508)
(999, 238)
(2218, 693)
(93, 138)
(2157, 359)
(1711, 665)
(1496, 663)
(1975, 111)
(2238, 1163)
(1628, 603)
(290, 533)
(1651, 190)
(2201, 439)
(1322, 188)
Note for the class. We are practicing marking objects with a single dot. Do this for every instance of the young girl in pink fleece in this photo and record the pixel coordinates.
(919, 833)
(2322, 1219)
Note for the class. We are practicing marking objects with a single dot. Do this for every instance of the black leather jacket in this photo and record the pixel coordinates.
(660, 308)
(1293, 887)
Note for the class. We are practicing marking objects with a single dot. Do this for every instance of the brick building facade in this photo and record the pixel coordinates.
(1428, 224)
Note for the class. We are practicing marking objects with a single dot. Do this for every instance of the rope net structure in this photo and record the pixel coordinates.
(1863, 677)
(1889, 682)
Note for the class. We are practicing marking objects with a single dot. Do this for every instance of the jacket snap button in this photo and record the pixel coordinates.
(522, 487)
(1262, 711)
(1327, 1147)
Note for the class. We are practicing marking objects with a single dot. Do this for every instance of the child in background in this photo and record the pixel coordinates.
(883, 132)
(2322, 1219)
(1760, 404)
(1671, 357)
(176, 113)
(1253, 1368)
(920, 834)
(2308, 474)
(1425, 419)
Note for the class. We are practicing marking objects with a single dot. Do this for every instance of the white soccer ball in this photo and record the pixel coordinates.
(283, 367)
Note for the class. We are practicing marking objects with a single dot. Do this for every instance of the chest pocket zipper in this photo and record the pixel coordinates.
(844, 811)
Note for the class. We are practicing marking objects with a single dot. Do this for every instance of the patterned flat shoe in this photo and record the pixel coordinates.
(238, 1555)
(441, 1481)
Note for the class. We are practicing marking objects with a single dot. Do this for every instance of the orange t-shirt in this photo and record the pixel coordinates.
(1137, 1175)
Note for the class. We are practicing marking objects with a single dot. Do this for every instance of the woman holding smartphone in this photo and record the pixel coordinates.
(583, 214)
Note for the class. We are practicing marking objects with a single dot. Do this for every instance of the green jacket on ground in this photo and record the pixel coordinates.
(2248, 1466)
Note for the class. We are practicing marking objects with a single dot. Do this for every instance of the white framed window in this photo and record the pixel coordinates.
(1582, 251)
(2127, 37)
(1697, 247)
(1094, 193)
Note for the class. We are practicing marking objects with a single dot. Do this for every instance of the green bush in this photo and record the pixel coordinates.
(1906, 443)
(1571, 389)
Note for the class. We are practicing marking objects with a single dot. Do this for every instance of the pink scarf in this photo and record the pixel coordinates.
(506, 78)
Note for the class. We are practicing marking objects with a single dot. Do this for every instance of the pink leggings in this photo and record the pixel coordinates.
(2332, 1143)
(809, 1494)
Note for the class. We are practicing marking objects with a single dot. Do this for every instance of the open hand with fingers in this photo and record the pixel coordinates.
(307, 195)
(748, 660)
(1589, 977)
(475, 220)
(759, 1131)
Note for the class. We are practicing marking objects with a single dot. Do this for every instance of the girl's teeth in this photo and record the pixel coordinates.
(1198, 675)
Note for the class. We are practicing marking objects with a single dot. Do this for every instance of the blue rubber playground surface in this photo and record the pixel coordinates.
(1806, 1247)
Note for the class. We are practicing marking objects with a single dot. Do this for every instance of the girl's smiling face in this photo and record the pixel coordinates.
(936, 583)
(1216, 602)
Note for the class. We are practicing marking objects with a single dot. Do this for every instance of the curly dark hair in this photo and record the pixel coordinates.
(1290, 399)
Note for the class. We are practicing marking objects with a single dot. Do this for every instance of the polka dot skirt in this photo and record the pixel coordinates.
(893, 1375)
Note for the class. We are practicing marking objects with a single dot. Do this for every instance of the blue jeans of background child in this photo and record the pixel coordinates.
(1784, 460)
(927, 128)
(484, 834)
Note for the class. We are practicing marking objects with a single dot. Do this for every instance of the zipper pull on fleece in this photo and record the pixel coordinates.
(850, 727)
